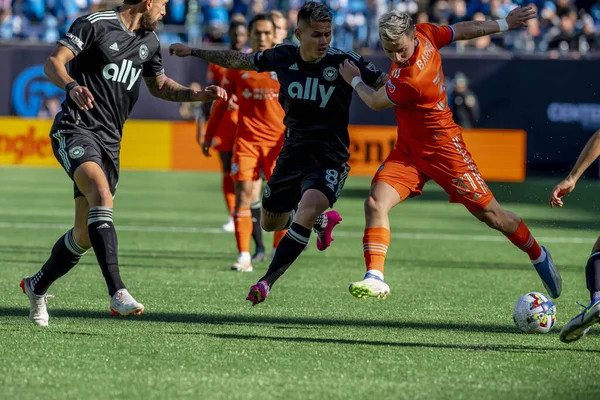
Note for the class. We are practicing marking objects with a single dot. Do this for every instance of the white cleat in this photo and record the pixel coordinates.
(229, 226)
(122, 303)
(579, 326)
(369, 287)
(243, 263)
(37, 303)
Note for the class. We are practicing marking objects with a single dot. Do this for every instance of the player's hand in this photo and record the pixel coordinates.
(349, 71)
(519, 16)
(211, 93)
(206, 148)
(180, 50)
(82, 97)
(566, 186)
(232, 104)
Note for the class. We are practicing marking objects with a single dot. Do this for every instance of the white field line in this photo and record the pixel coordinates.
(405, 235)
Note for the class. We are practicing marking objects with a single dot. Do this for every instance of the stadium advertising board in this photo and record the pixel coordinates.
(160, 145)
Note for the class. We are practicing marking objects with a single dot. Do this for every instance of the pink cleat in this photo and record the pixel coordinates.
(258, 293)
(324, 238)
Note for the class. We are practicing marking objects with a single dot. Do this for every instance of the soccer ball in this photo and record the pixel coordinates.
(534, 313)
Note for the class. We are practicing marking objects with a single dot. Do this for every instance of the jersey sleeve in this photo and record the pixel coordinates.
(211, 75)
(79, 37)
(399, 92)
(229, 80)
(440, 36)
(267, 60)
(369, 73)
(154, 66)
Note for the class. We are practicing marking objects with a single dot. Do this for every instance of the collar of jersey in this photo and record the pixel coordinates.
(116, 10)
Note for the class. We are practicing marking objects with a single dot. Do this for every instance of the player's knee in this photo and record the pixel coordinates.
(269, 224)
(99, 195)
(374, 207)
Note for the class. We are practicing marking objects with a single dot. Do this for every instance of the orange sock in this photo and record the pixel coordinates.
(229, 193)
(243, 229)
(277, 236)
(524, 240)
(375, 245)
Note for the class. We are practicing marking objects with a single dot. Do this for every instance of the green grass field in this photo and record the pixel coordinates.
(445, 332)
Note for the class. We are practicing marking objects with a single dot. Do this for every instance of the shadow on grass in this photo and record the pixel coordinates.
(221, 264)
(473, 347)
(276, 322)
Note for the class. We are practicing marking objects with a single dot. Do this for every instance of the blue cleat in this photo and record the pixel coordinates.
(549, 275)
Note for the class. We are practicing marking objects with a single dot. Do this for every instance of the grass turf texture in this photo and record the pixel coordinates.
(445, 331)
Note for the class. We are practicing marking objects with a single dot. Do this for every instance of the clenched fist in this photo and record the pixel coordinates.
(180, 50)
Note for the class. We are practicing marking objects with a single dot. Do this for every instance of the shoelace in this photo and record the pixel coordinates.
(47, 296)
(585, 309)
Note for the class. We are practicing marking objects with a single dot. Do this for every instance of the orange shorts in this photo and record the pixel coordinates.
(451, 167)
(249, 158)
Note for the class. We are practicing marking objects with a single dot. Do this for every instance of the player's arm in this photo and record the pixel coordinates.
(55, 69)
(166, 88)
(588, 155)
(516, 19)
(78, 39)
(375, 99)
(225, 58)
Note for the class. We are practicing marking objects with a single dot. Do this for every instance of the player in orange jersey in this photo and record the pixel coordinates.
(222, 123)
(430, 144)
(259, 136)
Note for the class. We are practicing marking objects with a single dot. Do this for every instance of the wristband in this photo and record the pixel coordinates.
(502, 25)
(355, 81)
(70, 86)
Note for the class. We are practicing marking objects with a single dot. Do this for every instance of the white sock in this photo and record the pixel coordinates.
(244, 256)
(541, 258)
(376, 273)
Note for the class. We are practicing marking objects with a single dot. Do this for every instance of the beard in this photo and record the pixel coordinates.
(147, 22)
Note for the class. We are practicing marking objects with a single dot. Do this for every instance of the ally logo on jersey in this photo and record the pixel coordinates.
(124, 73)
(311, 90)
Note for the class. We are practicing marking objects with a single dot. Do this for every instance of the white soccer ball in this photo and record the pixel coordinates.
(534, 313)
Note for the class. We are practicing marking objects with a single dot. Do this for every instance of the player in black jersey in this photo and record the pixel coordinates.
(311, 168)
(109, 52)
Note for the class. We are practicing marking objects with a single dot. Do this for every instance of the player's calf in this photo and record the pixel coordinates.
(513, 227)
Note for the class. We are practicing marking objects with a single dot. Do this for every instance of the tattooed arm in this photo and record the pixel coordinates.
(166, 88)
(225, 58)
(517, 18)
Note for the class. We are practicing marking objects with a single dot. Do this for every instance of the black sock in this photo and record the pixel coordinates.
(65, 254)
(592, 275)
(256, 229)
(288, 250)
(104, 241)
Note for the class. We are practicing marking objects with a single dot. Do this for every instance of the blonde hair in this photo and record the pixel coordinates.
(274, 14)
(395, 24)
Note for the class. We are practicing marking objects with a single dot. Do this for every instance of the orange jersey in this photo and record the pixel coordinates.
(222, 122)
(260, 116)
(424, 119)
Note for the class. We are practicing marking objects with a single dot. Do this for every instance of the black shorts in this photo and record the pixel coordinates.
(288, 183)
(74, 147)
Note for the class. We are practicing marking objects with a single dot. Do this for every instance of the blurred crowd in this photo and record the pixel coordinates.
(564, 27)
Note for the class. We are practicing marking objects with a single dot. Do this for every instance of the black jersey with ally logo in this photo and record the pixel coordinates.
(316, 99)
(110, 60)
